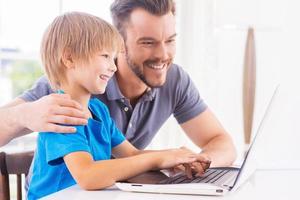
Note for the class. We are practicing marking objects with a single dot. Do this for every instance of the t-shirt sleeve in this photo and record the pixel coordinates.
(58, 145)
(116, 136)
(189, 104)
(40, 88)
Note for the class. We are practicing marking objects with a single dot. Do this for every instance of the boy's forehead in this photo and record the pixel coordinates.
(145, 24)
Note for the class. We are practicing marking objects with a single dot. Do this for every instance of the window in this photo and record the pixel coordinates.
(22, 24)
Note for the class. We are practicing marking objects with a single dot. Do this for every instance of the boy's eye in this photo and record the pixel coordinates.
(105, 55)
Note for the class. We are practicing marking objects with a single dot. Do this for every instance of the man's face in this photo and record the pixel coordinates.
(150, 46)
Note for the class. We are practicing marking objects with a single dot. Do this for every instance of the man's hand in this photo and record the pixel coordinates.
(174, 157)
(196, 168)
(45, 114)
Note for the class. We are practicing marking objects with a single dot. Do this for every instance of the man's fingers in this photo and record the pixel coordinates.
(60, 128)
(71, 112)
(205, 164)
(60, 119)
(68, 103)
(65, 100)
(198, 169)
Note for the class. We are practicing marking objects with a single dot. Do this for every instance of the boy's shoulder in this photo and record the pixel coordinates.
(97, 104)
(98, 107)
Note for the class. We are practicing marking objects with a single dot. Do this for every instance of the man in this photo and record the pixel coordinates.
(145, 91)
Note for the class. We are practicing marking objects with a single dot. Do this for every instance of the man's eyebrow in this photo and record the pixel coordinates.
(172, 36)
(153, 39)
(145, 38)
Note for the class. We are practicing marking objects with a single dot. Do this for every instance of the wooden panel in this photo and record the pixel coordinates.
(249, 85)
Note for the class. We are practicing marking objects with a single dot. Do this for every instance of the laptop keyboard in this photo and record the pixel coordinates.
(213, 176)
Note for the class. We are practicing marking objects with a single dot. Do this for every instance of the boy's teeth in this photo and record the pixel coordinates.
(103, 77)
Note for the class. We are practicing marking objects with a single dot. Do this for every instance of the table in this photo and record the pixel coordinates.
(275, 184)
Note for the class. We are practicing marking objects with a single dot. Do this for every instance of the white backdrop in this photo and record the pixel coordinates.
(211, 42)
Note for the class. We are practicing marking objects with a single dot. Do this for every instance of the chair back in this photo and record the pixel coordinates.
(13, 164)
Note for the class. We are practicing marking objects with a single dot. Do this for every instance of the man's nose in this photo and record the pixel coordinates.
(162, 52)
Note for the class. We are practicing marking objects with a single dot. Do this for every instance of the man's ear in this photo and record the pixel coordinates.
(123, 47)
(67, 59)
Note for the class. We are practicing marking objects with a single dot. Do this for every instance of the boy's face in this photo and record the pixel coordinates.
(93, 76)
(150, 46)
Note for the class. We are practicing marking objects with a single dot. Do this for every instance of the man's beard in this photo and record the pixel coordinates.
(137, 70)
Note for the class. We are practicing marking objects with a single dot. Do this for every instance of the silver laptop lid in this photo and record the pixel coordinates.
(250, 164)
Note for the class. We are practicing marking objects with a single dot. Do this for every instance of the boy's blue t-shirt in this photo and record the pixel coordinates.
(98, 137)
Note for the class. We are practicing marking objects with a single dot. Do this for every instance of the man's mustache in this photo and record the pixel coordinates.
(157, 61)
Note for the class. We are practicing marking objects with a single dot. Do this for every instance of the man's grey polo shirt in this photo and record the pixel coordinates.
(178, 96)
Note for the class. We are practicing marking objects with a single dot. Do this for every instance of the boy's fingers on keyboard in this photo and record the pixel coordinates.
(188, 170)
(179, 169)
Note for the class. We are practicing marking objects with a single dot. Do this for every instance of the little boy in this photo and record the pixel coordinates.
(78, 52)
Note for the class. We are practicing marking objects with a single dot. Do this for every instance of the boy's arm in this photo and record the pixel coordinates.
(91, 174)
(19, 117)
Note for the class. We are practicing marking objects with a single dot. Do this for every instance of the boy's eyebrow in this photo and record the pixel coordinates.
(150, 38)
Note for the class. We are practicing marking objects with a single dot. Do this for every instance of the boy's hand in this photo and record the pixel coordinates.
(45, 114)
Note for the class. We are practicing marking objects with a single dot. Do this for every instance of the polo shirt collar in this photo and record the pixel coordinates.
(114, 93)
(150, 94)
(113, 90)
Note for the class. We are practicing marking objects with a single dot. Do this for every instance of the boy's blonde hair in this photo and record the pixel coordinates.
(82, 35)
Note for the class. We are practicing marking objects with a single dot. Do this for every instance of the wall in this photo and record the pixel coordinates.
(211, 42)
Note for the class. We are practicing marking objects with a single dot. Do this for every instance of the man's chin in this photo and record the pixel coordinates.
(156, 85)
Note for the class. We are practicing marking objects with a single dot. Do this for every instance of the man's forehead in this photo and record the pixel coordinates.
(145, 24)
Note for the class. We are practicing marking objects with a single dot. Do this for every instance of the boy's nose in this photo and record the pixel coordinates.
(113, 67)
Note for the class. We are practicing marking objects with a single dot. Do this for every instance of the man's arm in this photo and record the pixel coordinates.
(10, 128)
(207, 133)
(18, 117)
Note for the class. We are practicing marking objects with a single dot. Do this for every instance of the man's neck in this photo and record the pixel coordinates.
(130, 85)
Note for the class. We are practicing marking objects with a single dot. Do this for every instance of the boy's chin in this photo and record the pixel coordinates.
(98, 92)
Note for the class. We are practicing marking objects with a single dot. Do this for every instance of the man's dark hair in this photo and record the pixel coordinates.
(121, 10)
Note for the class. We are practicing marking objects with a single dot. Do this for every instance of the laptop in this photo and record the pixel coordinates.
(215, 181)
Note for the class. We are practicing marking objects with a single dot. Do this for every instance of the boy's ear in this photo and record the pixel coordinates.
(67, 59)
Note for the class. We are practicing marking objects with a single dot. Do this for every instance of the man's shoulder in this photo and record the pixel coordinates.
(40, 88)
(176, 77)
(43, 82)
(176, 69)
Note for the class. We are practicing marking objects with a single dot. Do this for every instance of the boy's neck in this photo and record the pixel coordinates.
(82, 97)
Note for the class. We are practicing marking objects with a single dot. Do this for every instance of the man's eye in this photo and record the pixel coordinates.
(147, 43)
(170, 41)
(105, 55)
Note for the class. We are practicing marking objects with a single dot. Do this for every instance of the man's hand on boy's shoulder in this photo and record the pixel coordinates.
(45, 114)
